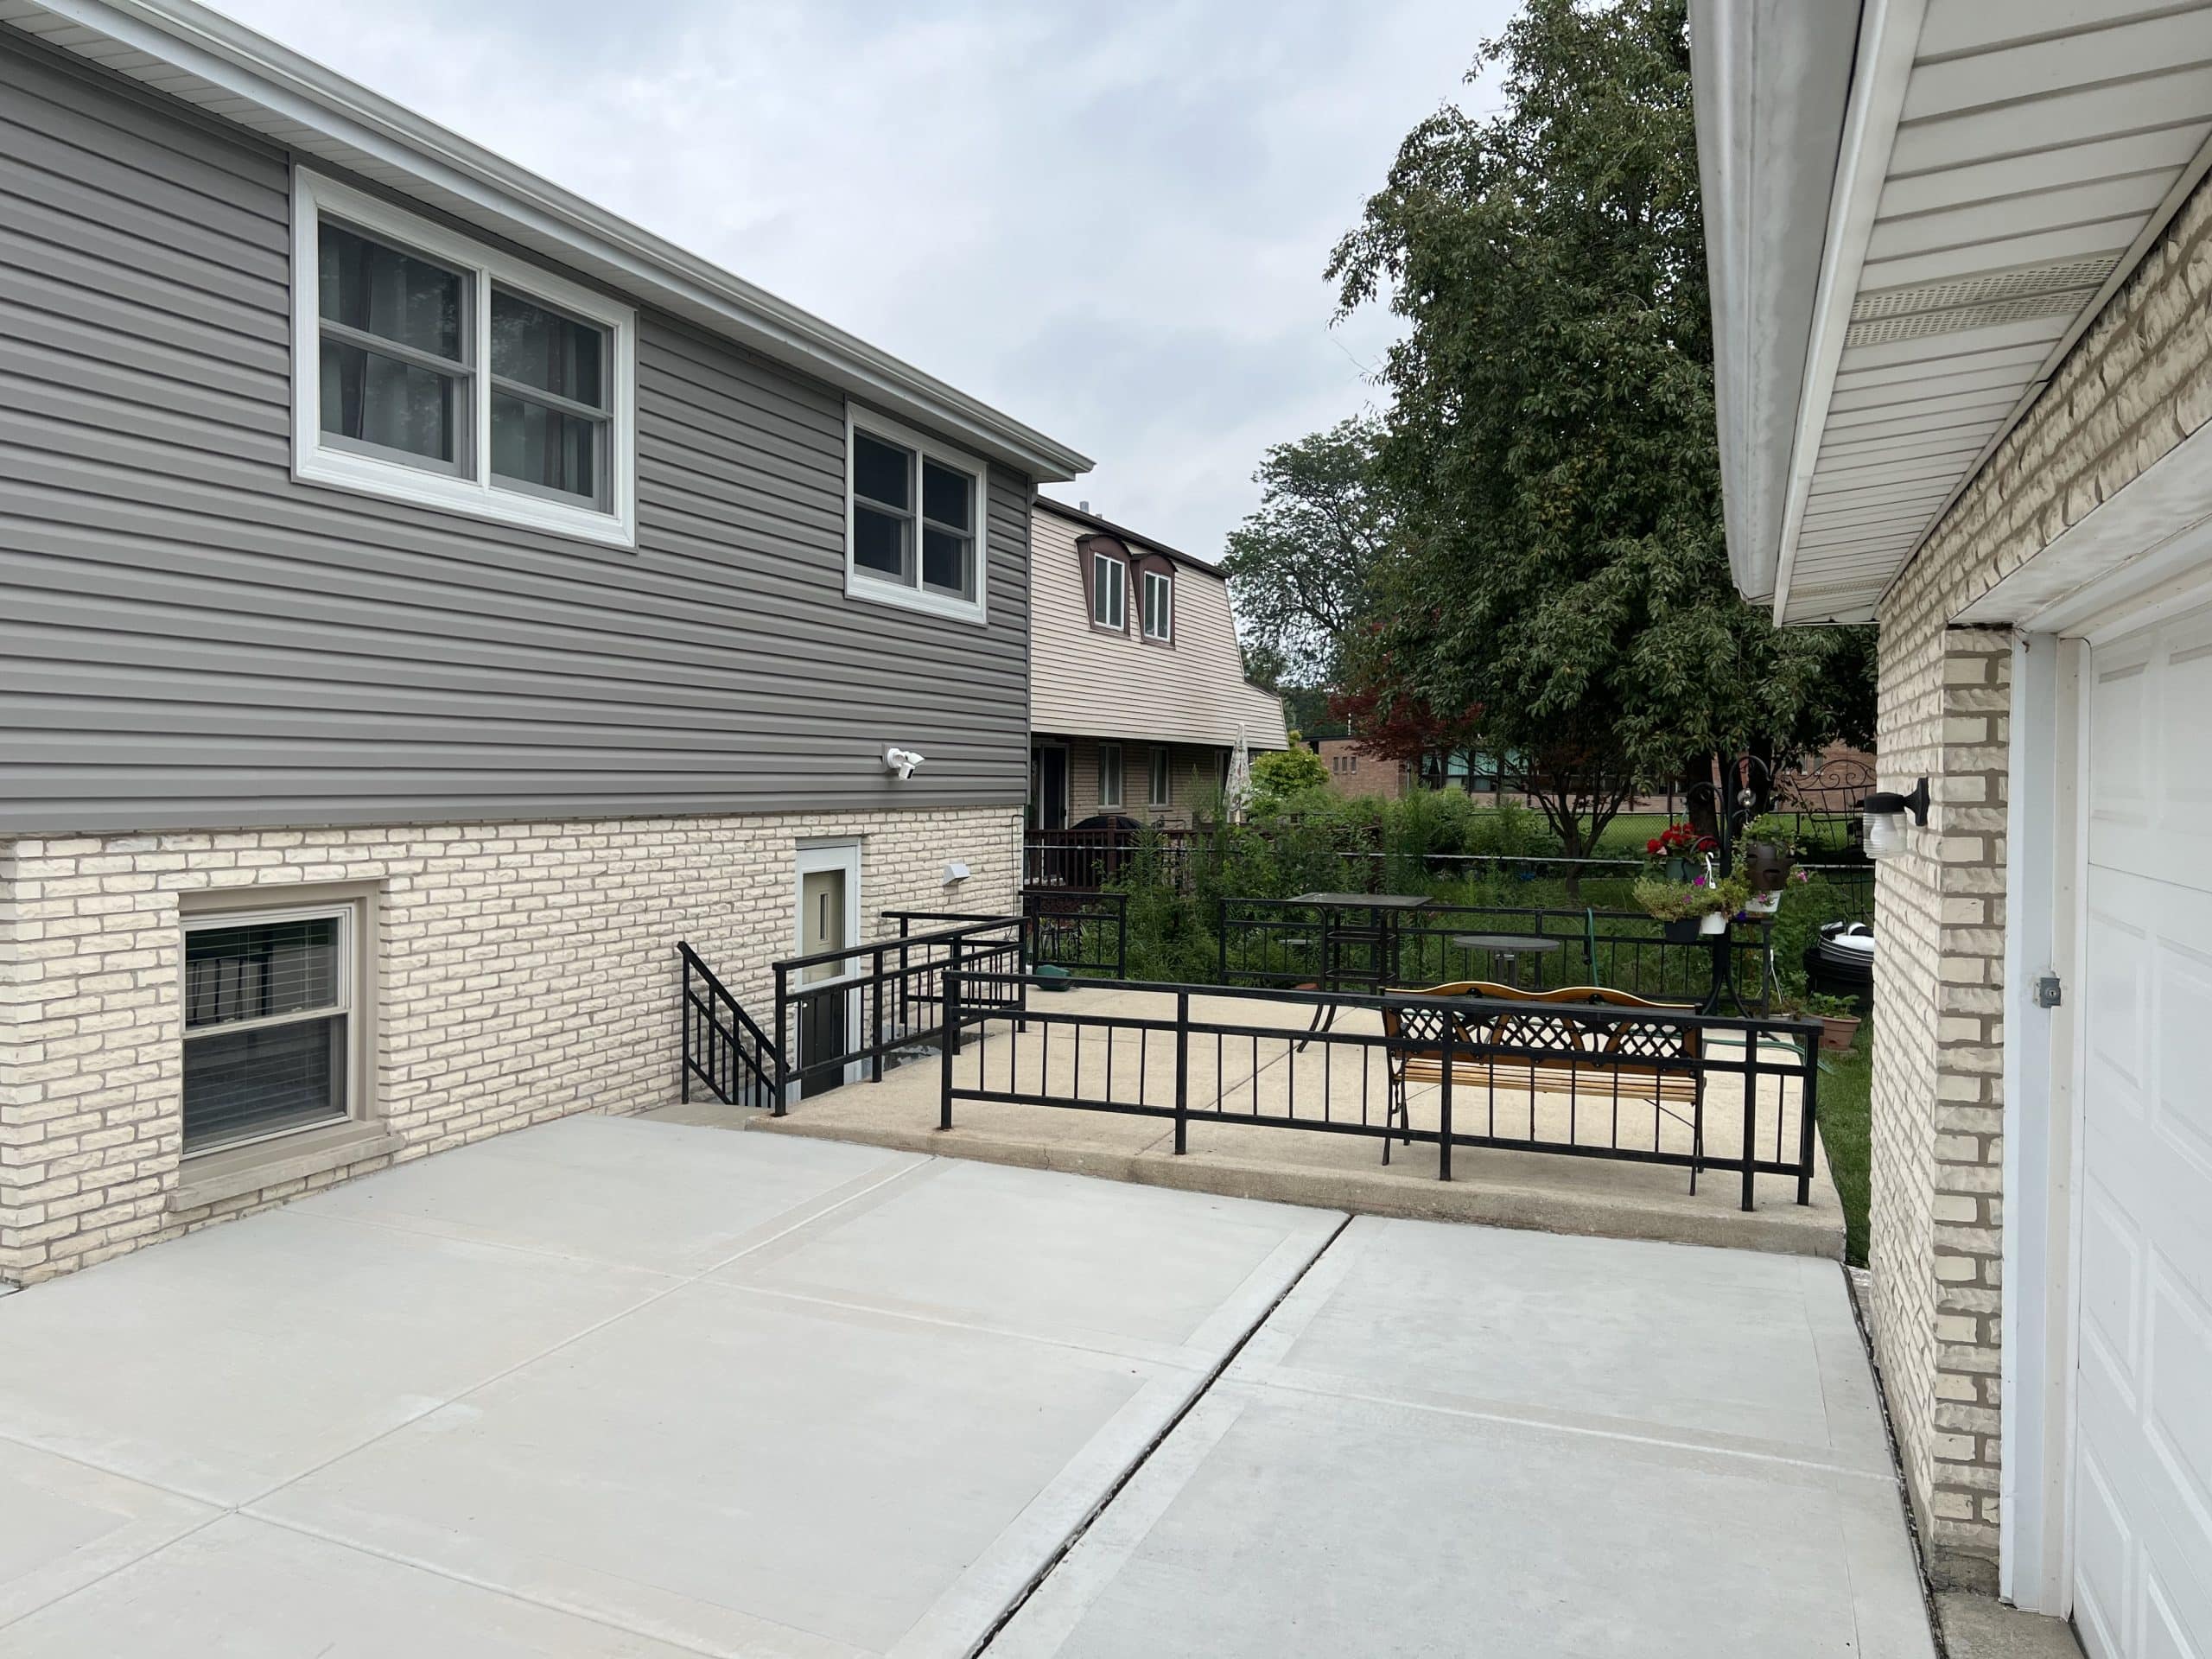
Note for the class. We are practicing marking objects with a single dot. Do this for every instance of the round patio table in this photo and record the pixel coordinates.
(1508, 948)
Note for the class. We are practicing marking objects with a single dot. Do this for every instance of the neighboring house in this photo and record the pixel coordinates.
(1353, 770)
(1961, 259)
(424, 599)
(1137, 694)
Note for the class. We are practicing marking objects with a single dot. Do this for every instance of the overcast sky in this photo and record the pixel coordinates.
(1108, 221)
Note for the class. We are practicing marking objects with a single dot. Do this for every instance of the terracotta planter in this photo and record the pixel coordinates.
(1838, 1032)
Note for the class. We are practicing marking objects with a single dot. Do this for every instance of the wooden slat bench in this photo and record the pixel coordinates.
(1644, 1061)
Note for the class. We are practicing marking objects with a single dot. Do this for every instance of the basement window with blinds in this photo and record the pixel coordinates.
(269, 1024)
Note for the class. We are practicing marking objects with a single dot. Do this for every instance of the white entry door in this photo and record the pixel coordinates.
(2142, 1460)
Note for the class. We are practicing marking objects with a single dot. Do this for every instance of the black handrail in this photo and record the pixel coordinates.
(898, 991)
(1353, 1063)
(717, 1032)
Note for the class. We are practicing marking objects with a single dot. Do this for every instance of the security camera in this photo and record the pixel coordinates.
(902, 761)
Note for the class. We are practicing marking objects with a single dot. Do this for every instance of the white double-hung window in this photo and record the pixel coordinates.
(914, 520)
(436, 370)
(1158, 606)
(1108, 592)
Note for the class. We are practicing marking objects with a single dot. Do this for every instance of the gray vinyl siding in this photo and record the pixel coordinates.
(191, 639)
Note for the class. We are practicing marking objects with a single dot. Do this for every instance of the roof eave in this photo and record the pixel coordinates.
(227, 56)
(1773, 81)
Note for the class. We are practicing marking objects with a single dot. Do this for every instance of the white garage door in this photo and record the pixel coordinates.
(2143, 1439)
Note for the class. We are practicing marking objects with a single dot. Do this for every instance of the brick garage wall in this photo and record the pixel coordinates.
(2138, 382)
(523, 972)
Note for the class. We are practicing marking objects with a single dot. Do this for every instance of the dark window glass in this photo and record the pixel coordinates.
(536, 445)
(544, 349)
(880, 541)
(880, 471)
(946, 495)
(260, 971)
(380, 290)
(377, 399)
(240, 1084)
(945, 560)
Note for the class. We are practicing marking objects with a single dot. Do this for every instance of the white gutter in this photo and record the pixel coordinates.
(1772, 78)
(1889, 36)
(229, 57)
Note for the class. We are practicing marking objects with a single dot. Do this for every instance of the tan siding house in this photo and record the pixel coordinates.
(1137, 694)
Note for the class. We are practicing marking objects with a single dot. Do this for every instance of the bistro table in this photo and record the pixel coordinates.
(1508, 948)
(1382, 914)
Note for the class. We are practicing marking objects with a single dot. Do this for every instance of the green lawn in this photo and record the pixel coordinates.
(1846, 1080)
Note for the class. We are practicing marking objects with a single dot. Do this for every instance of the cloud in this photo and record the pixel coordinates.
(1110, 222)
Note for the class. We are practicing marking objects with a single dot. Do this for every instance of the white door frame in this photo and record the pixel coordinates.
(2045, 847)
(811, 858)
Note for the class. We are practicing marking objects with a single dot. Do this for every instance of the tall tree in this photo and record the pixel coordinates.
(1299, 567)
(1559, 560)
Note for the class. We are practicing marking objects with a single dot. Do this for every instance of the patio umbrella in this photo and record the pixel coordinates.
(1238, 793)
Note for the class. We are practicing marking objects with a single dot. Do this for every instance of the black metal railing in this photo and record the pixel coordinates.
(1284, 944)
(1664, 1086)
(1085, 932)
(866, 1003)
(723, 1048)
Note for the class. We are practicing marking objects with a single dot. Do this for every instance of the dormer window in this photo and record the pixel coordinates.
(1109, 591)
(1159, 601)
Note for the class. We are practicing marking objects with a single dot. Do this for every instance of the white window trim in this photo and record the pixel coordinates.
(865, 584)
(1167, 606)
(315, 462)
(1121, 778)
(1120, 591)
(350, 930)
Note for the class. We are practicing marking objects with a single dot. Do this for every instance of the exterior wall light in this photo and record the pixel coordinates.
(1886, 811)
(901, 763)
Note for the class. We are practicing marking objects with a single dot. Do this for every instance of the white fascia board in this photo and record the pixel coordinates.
(235, 60)
(1772, 79)
(1889, 39)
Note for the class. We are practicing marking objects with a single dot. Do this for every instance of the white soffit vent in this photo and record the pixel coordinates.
(1976, 301)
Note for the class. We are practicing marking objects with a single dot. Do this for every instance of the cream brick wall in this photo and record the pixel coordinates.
(523, 972)
(2139, 381)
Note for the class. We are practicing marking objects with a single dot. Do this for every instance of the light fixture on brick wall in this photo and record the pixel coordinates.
(1886, 811)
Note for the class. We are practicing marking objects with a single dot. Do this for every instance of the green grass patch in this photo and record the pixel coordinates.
(1846, 1115)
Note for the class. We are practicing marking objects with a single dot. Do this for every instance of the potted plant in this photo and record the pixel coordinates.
(1768, 850)
(1700, 906)
(1839, 1017)
(1677, 849)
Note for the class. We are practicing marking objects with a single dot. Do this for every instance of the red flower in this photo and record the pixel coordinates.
(1651, 846)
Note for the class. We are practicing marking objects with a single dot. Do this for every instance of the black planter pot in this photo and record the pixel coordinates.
(1686, 931)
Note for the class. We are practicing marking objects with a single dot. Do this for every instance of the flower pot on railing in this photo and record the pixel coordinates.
(1712, 922)
(1684, 931)
(1764, 904)
(1767, 865)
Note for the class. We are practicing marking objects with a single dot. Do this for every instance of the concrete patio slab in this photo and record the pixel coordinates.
(225, 1362)
(1451, 1440)
(593, 1187)
(451, 1415)
(63, 1526)
(1163, 1275)
(247, 1590)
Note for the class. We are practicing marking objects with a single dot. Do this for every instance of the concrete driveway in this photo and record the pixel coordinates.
(609, 1387)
